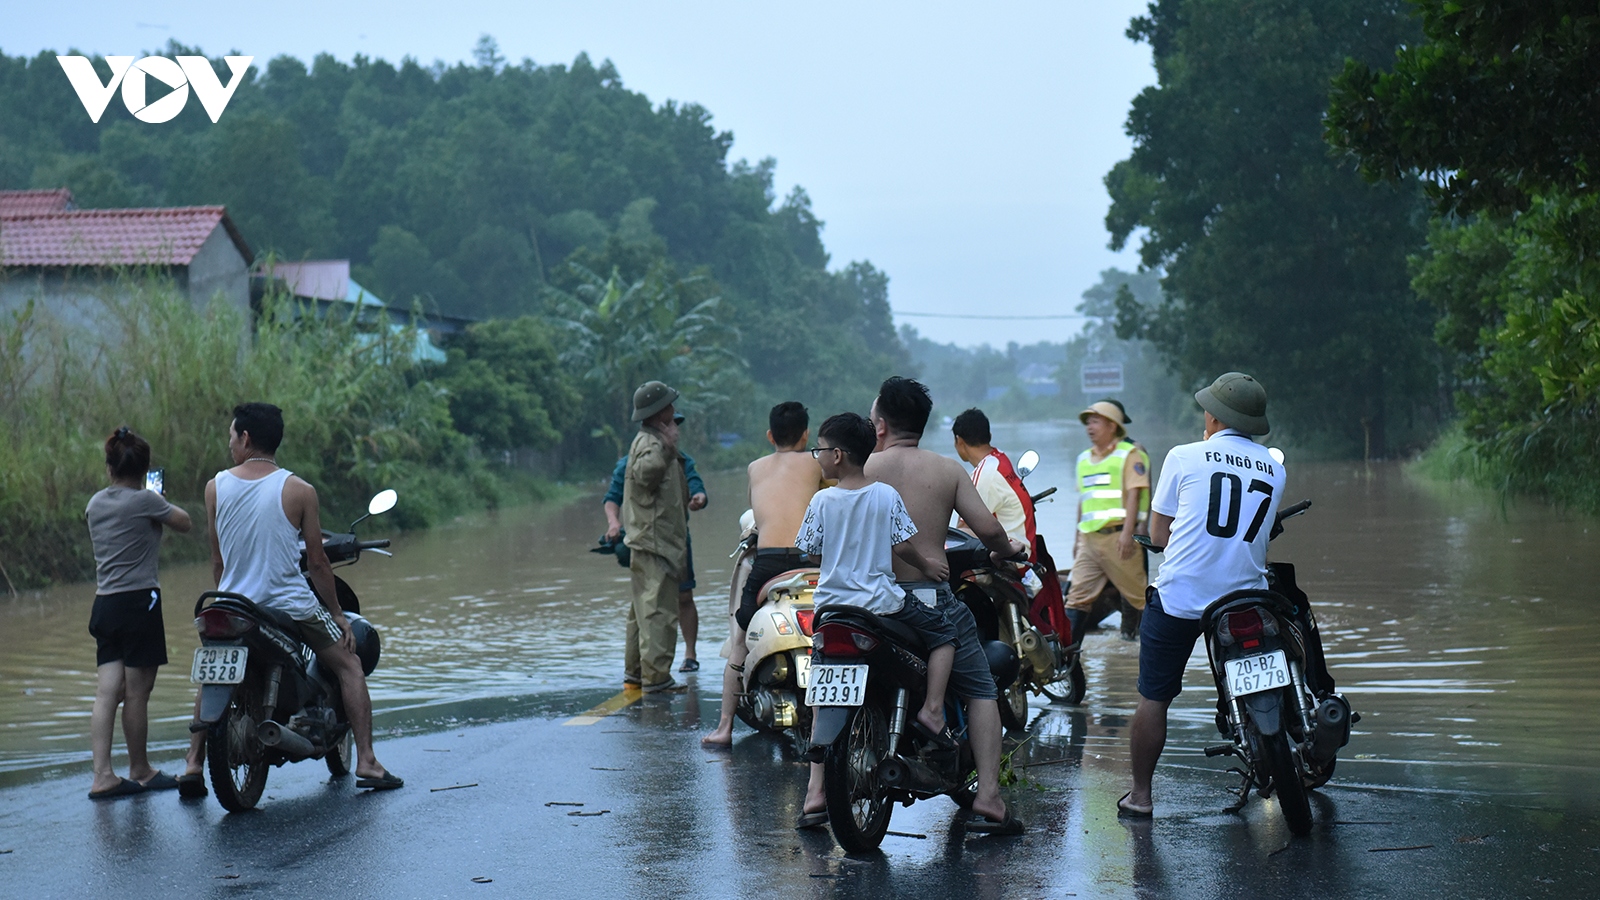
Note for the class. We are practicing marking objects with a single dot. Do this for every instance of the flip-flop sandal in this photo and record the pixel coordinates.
(1011, 826)
(388, 781)
(690, 665)
(811, 820)
(191, 785)
(123, 788)
(160, 781)
(941, 741)
(1126, 810)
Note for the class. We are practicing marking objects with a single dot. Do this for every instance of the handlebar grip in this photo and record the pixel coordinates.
(372, 545)
(1041, 495)
(1295, 510)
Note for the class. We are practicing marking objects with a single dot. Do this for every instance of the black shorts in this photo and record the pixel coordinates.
(687, 584)
(770, 562)
(127, 628)
(1165, 644)
(928, 621)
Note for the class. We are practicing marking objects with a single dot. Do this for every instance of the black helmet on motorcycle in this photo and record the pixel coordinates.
(368, 646)
(1003, 663)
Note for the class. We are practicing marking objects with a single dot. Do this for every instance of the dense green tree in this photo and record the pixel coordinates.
(1279, 260)
(1500, 103)
(507, 387)
(1496, 113)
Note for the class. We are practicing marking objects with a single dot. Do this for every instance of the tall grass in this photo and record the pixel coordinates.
(359, 413)
(1553, 460)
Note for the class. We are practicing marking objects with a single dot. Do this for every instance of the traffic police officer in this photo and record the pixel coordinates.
(1113, 495)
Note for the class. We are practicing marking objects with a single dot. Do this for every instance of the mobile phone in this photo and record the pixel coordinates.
(155, 480)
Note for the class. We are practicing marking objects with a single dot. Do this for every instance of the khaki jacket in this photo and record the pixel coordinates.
(655, 502)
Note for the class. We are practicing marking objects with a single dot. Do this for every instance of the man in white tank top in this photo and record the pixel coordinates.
(258, 513)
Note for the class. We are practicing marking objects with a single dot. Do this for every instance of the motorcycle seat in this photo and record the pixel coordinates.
(901, 634)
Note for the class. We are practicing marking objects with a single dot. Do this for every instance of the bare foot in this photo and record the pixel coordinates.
(722, 737)
(105, 782)
(995, 810)
(932, 722)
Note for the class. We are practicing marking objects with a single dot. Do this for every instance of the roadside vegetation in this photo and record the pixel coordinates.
(362, 415)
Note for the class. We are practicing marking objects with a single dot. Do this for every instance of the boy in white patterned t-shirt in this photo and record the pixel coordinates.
(855, 529)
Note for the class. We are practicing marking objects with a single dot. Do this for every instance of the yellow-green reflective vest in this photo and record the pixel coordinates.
(1100, 488)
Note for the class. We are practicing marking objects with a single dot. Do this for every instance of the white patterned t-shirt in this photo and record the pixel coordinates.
(853, 533)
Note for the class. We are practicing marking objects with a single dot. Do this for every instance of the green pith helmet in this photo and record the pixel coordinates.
(651, 397)
(1237, 401)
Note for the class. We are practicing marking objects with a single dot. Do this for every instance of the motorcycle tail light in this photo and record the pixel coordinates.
(221, 624)
(806, 617)
(1241, 626)
(844, 640)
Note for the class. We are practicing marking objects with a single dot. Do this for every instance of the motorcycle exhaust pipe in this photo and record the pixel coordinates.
(1331, 728)
(908, 774)
(1038, 653)
(290, 743)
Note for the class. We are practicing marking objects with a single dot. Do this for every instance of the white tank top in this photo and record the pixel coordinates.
(260, 549)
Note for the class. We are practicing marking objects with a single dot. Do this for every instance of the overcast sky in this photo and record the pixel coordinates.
(959, 147)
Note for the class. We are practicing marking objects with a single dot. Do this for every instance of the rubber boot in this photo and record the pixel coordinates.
(1078, 620)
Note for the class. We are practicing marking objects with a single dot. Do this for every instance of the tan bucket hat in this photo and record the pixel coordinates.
(1237, 401)
(1109, 410)
(651, 397)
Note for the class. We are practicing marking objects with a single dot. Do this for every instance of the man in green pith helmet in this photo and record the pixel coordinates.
(655, 514)
(1113, 479)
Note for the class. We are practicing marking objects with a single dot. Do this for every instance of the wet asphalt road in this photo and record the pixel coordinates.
(660, 817)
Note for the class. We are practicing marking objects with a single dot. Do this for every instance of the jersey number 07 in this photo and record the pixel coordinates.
(1216, 526)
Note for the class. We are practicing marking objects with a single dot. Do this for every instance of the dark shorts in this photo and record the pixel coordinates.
(127, 628)
(970, 675)
(770, 562)
(1165, 644)
(928, 621)
(688, 564)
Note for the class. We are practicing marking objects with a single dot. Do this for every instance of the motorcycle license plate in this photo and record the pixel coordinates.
(1254, 674)
(837, 686)
(219, 665)
(802, 671)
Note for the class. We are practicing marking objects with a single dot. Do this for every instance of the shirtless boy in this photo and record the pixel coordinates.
(781, 486)
(933, 486)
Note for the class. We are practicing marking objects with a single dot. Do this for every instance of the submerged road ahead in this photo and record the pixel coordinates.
(660, 817)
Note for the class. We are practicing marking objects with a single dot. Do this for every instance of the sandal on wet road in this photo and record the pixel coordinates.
(388, 781)
(1126, 810)
(123, 788)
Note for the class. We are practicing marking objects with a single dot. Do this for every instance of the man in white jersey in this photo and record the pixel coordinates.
(259, 512)
(1213, 510)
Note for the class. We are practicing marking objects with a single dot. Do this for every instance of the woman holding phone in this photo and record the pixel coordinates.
(125, 524)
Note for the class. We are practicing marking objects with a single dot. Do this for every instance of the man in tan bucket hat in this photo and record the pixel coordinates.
(655, 510)
(1113, 481)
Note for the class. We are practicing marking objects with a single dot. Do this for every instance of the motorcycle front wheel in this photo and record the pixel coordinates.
(1286, 782)
(235, 756)
(858, 804)
(1069, 690)
(1013, 699)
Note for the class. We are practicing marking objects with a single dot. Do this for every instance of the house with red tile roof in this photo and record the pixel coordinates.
(55, 254)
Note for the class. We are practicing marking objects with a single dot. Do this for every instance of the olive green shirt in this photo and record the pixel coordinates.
(655, 502)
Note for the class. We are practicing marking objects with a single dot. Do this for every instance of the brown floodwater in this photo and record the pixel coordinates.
(1466, 631)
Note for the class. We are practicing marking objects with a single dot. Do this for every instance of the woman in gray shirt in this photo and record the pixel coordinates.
(125, 523)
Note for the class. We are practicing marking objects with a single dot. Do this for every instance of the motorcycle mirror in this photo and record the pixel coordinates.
(1276, 454)
(385, 500)
(1027, 463)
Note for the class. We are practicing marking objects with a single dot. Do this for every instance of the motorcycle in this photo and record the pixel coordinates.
(778, 664)
(1276, 701)
(868, 676)
(1006, 610)
(264, 700)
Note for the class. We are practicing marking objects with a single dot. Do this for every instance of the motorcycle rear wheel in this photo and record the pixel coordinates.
(236, 757)
(1287, 782)
(341, 758)
(858, 804)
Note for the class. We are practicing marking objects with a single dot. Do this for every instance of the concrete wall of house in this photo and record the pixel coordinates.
(218, 268)
(76, 298)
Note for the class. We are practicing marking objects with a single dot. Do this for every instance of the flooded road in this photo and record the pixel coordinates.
(1468, 635)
